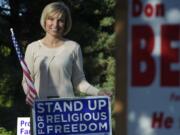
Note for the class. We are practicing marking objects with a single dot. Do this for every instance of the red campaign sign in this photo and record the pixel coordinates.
(168, 55)
(154, 67)
(148, 9)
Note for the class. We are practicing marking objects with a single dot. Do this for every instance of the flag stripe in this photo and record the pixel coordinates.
(27, 76)
(31, 90)
(24, 66)
(30, 96)
(29, 100)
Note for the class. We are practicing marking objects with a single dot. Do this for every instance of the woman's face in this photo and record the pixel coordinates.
(54, 24)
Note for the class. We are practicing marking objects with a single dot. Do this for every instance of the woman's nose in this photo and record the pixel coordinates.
(55, 23)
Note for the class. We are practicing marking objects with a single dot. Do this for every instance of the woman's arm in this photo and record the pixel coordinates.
(78, 77)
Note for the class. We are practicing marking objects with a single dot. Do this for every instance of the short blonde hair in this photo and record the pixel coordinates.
(54, 8)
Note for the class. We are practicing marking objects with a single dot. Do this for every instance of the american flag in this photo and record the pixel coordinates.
(31, 95)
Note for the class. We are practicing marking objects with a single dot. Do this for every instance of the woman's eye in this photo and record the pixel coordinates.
(61, 20)
(50, 18)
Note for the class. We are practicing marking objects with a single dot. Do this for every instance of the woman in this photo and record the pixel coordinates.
(55, 63)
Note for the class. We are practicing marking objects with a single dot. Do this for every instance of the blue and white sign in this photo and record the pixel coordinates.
(72, 116)
(23, 126)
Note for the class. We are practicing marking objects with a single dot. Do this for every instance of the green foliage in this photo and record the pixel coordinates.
(110, 73)
(107, 21)
(5, 91)
(5, 51)
(110, 4)
(3, 131)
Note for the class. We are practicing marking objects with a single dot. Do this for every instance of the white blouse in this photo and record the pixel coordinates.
(57, 71)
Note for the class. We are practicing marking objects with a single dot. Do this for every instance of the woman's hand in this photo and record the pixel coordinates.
(105, 93)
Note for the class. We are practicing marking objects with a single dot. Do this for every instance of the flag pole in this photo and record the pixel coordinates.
(32, 93)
